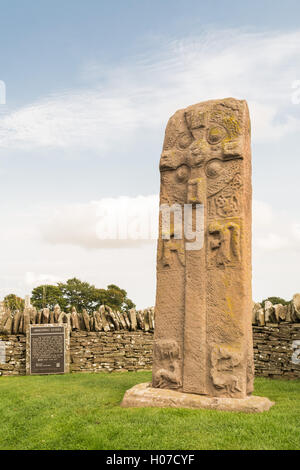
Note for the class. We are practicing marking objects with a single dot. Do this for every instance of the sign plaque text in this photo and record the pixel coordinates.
(47, 349)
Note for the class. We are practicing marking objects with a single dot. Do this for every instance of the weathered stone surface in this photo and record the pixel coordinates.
(39, 317)
(74, 320)
(103, 320)
(27, 302)
(86, 320)
(67, 320)
(45, 315)
(133, 321)
(269, 312)
(280, 312)
(140, 320)
(256, 307)
(51, 317)
(127, 321)
(33, 314)
(146, 320)
(203, 336)
(57, 313)
(16, 322)
(114, 319)
(275, 314)
(144, 395)
(60, 318)
(295, 314)
(26, 320)
(8, 324)
(276, 350)
(261, 317)
(118, 350)
(151, 318)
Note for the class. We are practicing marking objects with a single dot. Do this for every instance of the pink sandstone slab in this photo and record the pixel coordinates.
(144, 395)
(203, 334)
(203, 347)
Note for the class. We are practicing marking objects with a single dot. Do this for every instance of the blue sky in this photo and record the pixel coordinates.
(90, 87)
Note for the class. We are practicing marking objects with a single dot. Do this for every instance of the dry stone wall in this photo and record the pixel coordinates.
(107, 351)
(103, 341)
(89, 352)
(276, 339)
(277, 350)
(13, 360)
(129, 346)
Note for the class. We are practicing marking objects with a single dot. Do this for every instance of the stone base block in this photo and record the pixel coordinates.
(144, 395)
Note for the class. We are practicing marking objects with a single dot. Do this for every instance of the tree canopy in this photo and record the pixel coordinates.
(81, 295)
(13, 302)
(276, 300)
(47, 296)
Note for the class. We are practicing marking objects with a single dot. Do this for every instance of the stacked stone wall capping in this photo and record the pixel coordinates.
(104, 319)
(267, 313)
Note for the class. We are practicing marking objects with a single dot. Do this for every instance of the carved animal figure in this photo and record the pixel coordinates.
(169, 374)
(168, 378)
(229, 382)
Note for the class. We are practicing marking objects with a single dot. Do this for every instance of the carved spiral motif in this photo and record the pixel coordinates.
(213, 168)
(184, 140)
(182, 174)
(216, 134)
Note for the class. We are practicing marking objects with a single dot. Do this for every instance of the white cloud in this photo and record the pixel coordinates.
(33, 279)
(272, 242)
(144, 91)
(295, 228)
(267, 125)
(122, 222)
(130, 222)
(262, 214)
(120, 103)
(273, 230)
(89, 119)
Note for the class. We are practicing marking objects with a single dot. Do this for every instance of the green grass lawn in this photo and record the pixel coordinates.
(82, 411)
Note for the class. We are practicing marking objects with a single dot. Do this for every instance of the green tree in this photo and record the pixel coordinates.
(117, 299)
(276, 300)
(13, 302)
(79, 294)
(47, 296)
(101, 297)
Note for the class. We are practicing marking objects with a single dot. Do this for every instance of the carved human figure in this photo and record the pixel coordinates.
(225, 242)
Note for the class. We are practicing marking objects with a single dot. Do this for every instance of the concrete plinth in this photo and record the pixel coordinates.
(144, 395)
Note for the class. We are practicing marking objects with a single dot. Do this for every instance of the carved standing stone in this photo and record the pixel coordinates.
(203, 332)
(204, 303)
